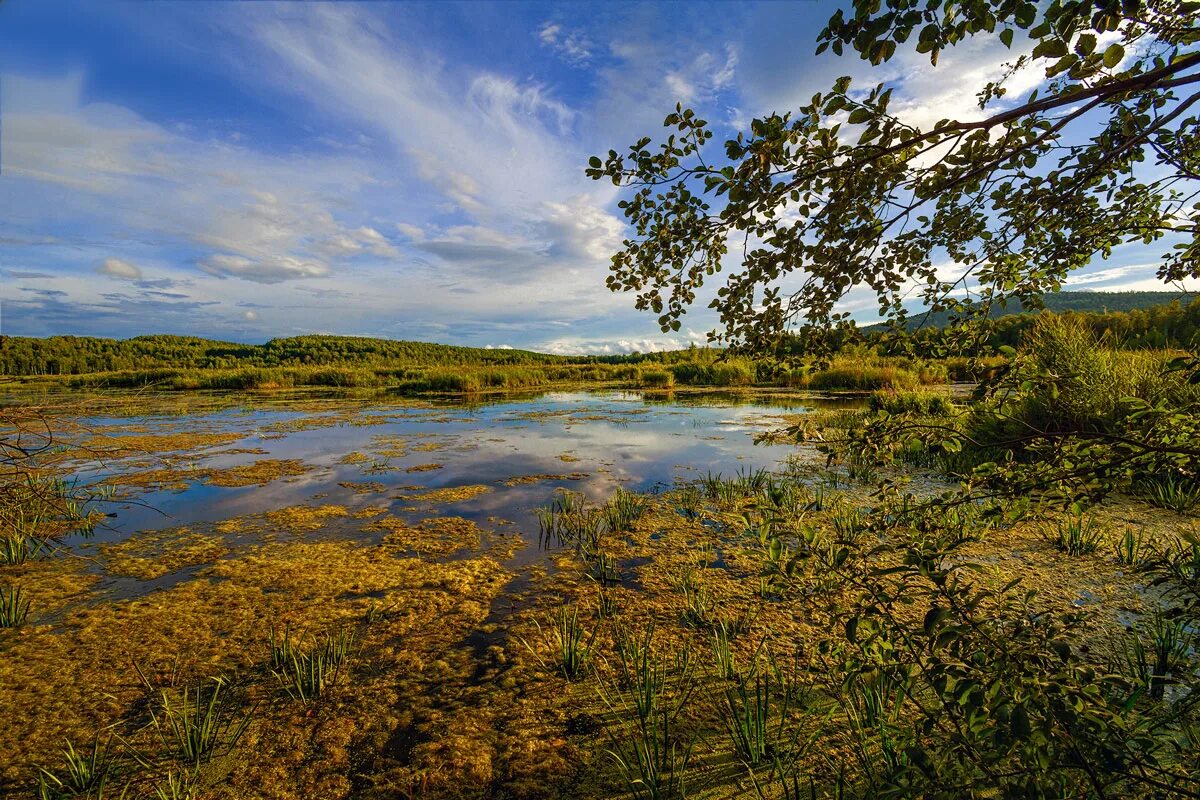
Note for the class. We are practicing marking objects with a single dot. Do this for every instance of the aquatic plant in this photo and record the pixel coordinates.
(606, 605)
(14, 607)
(691, 502)
(752, 480)
(649, 752)
(17, 547)
(1075, 535)
(1129, 548)
(200, 721)
(623, 510)
(698, 604)
(306, 673)
(1150, 668)
(84, 772)
(725, 633)
(817, 500)
(175, 786)
(566, 640)
(605, 571)
(782, 496)
(754, 724)
(726, 493)
(1172, 491)
(847, 524)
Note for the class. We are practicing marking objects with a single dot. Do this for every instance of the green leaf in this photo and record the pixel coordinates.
(1113, 55)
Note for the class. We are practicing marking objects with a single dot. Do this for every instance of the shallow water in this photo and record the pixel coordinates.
(582, 441)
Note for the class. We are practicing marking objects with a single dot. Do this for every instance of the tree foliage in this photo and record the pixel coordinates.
(845, 193)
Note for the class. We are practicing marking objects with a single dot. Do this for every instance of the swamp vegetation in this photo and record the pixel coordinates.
(599, 595)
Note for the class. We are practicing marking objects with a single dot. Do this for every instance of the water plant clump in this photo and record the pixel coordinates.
(198, 722)
(650, 750)
(1075, 535)
(623, 510)
(1173, 491)
(308, 672)
(14, 607)
(569, 644)
(84, 773)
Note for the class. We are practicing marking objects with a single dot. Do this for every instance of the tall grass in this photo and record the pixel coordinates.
(200, 721)
(649, 751)
(85, 773)
(308, 672)
(14, 607)
(569, 644)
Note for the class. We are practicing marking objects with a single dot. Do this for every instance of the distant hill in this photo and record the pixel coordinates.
(1093, 302)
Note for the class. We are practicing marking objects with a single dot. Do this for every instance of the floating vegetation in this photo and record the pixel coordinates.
(152, 554)
(450, 494)
(424, 467)
(434, 536)
(260, 473)
(521, 480)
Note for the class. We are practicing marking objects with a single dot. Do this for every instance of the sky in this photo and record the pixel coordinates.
(247, 170)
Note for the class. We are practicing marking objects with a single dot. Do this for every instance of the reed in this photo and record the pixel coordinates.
(566, 639)
(623, 510)
(307, 673)
(1075, 535)
(199, 722)
(14, 607)
(84, 772)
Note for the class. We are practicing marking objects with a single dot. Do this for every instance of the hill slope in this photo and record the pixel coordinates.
(1092, 302)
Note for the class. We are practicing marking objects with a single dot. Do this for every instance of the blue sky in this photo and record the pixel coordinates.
(248, 170)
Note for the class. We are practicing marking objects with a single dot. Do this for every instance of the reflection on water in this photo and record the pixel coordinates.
(515, 451)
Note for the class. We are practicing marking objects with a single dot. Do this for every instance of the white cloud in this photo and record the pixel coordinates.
(250, 316)
(413, 232)
(119, 268)
(263, 270)
(571, 45)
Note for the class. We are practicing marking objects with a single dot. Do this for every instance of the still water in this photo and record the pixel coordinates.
(512, 454)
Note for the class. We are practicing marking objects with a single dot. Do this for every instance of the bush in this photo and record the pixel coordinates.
(657, 379)
(894, 402)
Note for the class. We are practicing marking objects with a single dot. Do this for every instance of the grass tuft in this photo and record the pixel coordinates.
(14, 607)
(1075, 535)
(306, 673)
(199, 722)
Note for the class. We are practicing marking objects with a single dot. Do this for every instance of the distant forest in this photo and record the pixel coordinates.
(1130, 319)
(1090, 302)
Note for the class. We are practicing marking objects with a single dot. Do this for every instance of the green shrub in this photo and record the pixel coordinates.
(894, 402)
(657, 379)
